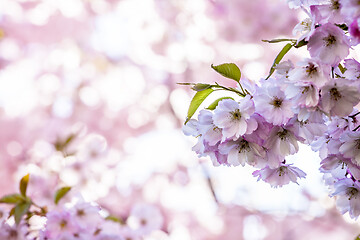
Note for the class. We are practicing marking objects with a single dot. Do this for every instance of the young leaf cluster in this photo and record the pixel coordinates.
(22, 202)
(203, 90)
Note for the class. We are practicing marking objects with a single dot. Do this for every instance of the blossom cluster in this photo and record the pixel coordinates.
(311, 102)
(72, 160)
(84, 220)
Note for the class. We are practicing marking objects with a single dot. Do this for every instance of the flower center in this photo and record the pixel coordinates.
(357, 143)
(329, 40)
(306, 24)
(302, 123)
(311, 70)
(243, 146)
(282, 171)
(282, 134)
(93, 153)
(13, 233)
(276, 102)
(305, 89)
(63, 224)
(236, 115)
(216, 129)
(143, 222)
(334, 94)
(352, 192)
(80, 212)
(98, 230)
(335, 4)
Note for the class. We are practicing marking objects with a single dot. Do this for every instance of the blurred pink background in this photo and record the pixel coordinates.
(104, 72)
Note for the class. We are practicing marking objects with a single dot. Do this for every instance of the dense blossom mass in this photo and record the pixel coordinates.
(312, 102)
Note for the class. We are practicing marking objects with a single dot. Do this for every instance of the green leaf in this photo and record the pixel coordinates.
(280, 40)
(114, 219)
(278, 58)
(69, 139)
(196, 101)
(12, 198)
(23, 184)
(61, 145)
(20, 210)
(358, 237)
(61, 193)
(229, 70)
(12, 212)
(200, 87)
(216, 102)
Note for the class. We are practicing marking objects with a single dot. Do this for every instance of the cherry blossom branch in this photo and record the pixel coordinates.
(230, 89)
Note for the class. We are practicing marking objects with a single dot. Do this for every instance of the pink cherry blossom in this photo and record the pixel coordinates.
(328, 44)
(306, 27)
(235, 119)
(327, 12)
(354, 30)
(306, 95)
(145, 218)
(338, 100)
(206, 127)
(216, 156)
(306, 129)
(60, 224)
(310, 72)
(242, 151)
(86, 216)
(282, 141)
(350, 8)
(348, 194)
(14, 232)
(272, 104)
(279, 176)
(340, 164)
(190, 128)
(352, 69)
(350, 147)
